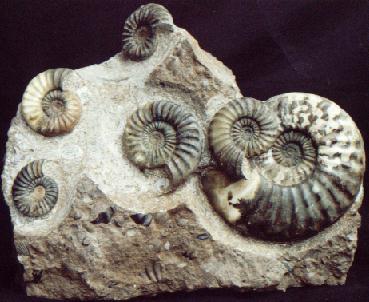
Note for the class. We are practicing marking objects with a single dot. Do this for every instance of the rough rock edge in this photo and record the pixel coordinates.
(174, 252)
(69, 263)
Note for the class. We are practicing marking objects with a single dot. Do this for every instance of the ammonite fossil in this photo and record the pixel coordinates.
(303, 180)
(161, 134)
(34, 194)
(242, 128)
(46, 107)
(140, 30)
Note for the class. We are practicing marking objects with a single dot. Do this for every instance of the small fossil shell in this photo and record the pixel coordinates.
(153, 271)
(22, 248)
(163, 133)
(203, 236)
(144, 219)
(34, 194)
(46, 107)
(304, 181)
(140, 30)
(242, 128)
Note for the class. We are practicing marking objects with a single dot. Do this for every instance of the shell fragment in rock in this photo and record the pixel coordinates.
(163, 133)
(34, 194)
(305, 181)
(242, 128)
(141, 28)
(46, 107)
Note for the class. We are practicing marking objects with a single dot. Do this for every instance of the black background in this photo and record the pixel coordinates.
(272, 47)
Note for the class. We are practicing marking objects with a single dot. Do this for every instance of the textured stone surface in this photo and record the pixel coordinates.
(93, 245)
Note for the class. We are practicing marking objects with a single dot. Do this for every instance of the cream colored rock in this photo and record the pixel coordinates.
(115, 233)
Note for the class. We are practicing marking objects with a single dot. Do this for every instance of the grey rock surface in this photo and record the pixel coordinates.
(115, 233)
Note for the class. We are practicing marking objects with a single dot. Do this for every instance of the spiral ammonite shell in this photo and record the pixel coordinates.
(163, 133)
(34, 194)
(140, 30)
(308, 177)
(46, 107)
(242, 128)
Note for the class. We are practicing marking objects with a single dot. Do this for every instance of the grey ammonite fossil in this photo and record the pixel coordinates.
(34, 194)
(141, 28)
(301, 180)
(243, 128)
(164, 134)
(46, 107)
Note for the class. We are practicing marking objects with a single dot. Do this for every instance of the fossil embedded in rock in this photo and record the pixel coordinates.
(140, 30)
(244, 127)
(279, 172)
(46, 107)
(161, 134)
(34, 194)
(144, 219)
(22, 248)
(305, 181)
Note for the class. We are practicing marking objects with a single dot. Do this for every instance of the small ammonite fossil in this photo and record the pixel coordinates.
(301, 180)
(242, 128)
(161, 134)
(46, 107)
(140, 30)
(34, 194)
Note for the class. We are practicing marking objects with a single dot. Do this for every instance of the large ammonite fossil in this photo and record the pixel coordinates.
(140, 30)
(34, 194)
(161, 134)
(46, 107)
(302, 180)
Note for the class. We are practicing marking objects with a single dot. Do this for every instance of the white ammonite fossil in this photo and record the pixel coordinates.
(161, 134)
(34, 194)
(140, 30)
(242, 128)
(305, 180)
(46, 107)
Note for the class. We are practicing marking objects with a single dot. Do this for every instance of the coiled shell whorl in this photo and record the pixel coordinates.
(242, 128)
(140, 30)
(46, 107)
(34, 194)
(314, 170)
(163, 133)
(305, 180)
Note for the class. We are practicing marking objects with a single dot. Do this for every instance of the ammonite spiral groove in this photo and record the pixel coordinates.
(307, 178)
(34, 194)
(46, 107)
(140, 30)
(291, 160)
(242, 128)
(161, 134)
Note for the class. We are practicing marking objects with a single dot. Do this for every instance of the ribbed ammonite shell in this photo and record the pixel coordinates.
(242, 128)
(46, 107)
(34, 194)
(163, 133)
(308, 177)
(140, 30)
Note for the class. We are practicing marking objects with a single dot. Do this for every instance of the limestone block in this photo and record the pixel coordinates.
(118, 231)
